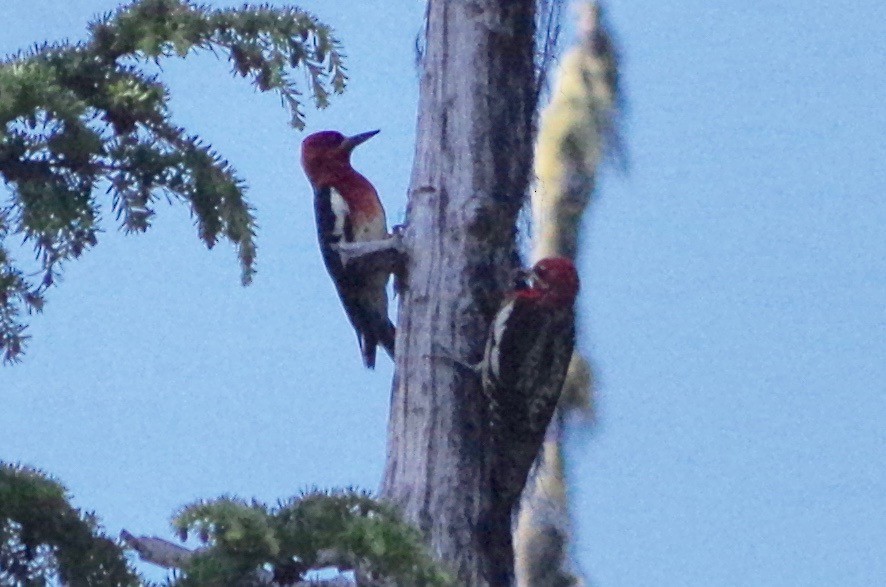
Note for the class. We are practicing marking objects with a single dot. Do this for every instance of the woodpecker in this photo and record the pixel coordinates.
(348, 210)
(524, 366)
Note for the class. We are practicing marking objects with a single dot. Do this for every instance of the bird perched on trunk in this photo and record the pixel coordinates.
(348, 210)
(524, 367)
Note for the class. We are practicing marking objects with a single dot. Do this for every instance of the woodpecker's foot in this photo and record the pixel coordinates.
(441, 354)
(398, 231)
(380, 255)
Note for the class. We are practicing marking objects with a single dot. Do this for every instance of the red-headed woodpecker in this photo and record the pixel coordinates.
(348, 210)
(524, 367)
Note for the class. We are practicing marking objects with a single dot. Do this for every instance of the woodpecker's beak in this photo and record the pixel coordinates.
(349, 143)
(521, 278)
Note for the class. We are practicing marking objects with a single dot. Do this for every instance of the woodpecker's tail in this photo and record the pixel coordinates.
(378, 331)
(386, 334)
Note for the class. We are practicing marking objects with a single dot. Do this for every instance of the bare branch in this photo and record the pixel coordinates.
(169, 555)
(158, 551)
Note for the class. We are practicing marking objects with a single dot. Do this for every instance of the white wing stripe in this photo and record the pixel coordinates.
(340, 211)
(498, 328)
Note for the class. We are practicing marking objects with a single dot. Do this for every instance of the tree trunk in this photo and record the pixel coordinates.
(472, 164)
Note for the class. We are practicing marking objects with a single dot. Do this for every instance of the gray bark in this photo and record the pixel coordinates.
(472, 163)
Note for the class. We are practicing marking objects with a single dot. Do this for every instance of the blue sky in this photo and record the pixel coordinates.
(734, 304)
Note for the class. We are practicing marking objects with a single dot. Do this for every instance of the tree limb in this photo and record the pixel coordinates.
(169, 555)
(158, 551)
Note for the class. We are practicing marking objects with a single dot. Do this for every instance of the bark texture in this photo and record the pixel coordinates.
(472, 163)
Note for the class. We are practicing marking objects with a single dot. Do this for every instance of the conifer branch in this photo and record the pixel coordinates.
(77, 117)
(346, 529)
(44, 539)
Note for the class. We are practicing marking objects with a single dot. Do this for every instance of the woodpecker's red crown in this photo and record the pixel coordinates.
(555, 281)
(327, 153)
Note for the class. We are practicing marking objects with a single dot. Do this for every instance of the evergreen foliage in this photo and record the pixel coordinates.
(43, 540)
(78, 118)
(347, 529)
